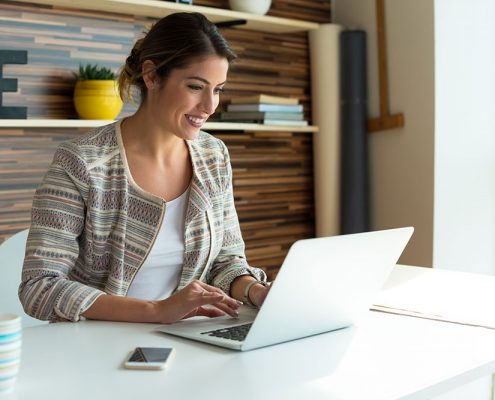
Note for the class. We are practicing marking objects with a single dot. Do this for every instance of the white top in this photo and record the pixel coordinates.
(160, 273)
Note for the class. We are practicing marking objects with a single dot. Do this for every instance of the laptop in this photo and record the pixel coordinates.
(324, 284)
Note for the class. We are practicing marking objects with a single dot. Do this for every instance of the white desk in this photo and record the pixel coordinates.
(385, 357)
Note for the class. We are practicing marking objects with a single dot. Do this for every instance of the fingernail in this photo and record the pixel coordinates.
(239, 302)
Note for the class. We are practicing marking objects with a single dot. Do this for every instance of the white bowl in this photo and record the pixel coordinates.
(259, 7)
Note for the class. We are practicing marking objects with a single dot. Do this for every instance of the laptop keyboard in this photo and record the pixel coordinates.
(238, 332)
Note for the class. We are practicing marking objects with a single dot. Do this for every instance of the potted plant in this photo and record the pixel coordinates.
(96, 95)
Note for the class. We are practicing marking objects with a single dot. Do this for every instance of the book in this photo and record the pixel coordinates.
(284, 122)
(264, 98)
(260, 115)
(265, 107)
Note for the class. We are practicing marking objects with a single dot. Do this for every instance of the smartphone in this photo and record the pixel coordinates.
(149, 358)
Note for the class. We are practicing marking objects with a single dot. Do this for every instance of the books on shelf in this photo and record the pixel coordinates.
(264, 98)
(287, 122)
(266, 107)
(260, 115)
(283, 122)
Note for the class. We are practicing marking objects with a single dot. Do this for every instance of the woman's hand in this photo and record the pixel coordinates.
(191, 301)
(258, 293)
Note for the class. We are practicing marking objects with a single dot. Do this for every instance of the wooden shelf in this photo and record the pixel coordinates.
(239, 126)
(158, 9)
(84, 123)
(52, 123)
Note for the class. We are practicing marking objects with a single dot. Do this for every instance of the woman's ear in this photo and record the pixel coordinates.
(149, 74)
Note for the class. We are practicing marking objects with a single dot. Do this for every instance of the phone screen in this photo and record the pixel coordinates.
(150, 354)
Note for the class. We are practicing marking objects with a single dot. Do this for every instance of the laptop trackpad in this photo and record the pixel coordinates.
(203, 324)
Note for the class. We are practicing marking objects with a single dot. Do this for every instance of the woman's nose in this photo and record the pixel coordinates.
(209, 103)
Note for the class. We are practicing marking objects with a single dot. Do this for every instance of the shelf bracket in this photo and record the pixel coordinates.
(385, 120)
(228, 24)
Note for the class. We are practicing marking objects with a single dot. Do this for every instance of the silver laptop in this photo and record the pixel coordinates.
(324, 284)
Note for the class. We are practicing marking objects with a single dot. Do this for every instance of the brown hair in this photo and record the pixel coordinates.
(174, 41)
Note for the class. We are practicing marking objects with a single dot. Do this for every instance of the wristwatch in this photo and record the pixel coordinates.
(246, 298)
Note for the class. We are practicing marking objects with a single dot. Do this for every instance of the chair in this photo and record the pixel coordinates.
(11, 259)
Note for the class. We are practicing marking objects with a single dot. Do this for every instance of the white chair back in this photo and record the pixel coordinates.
(11, 259)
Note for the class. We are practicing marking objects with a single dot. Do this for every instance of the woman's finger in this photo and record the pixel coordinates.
(198, 294)
(217, 300)
(232, 303)
(233, 312)
(211, 312)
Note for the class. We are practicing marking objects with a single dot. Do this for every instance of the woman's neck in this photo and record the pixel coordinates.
(141, 136)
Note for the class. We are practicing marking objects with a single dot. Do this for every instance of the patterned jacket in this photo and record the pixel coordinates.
(92, 226)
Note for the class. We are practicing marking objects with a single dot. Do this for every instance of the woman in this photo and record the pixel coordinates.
(135, 221)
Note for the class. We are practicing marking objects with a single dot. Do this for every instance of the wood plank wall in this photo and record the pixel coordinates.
(24, 158)
(273, 182)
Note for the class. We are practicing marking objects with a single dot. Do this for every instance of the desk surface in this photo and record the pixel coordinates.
(384, 357)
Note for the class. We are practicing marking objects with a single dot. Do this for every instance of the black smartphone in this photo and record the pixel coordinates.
(149, 358)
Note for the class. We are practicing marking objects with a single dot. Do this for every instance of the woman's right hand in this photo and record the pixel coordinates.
(195, 299)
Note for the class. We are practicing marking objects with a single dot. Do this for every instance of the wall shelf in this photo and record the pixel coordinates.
(158, 9)
(81, 123)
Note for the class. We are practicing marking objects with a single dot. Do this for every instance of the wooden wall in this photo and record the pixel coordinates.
(273, 183)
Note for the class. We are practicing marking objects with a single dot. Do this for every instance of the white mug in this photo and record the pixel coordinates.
(10, 350)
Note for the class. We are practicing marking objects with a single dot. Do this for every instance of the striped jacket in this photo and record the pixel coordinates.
(92, 226)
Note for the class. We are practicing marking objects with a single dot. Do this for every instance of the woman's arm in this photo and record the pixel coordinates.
(188, 302)
(52, 248)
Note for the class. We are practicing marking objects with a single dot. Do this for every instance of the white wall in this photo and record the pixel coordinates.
(401, 160)
(438, 172)
(464, 227)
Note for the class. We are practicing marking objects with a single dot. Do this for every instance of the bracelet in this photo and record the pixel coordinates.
(246, 298)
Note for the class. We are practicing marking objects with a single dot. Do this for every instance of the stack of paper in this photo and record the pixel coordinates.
(452, 296)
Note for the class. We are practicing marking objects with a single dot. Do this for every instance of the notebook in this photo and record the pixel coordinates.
(324, 284)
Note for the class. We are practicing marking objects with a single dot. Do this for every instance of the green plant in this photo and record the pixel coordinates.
(94, 72)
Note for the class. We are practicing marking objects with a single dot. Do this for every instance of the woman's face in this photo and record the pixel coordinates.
(183, 103)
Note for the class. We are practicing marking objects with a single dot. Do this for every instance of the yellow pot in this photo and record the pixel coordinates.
(97, 99)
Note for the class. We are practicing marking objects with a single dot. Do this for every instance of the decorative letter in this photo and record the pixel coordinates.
(10, 85)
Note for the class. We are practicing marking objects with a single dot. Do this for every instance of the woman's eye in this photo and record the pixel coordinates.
(195, 87)
(219, 90)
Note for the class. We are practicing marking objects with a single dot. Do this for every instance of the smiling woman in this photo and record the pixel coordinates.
(135, 221)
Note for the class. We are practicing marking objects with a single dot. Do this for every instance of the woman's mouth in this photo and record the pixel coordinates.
(197, 122)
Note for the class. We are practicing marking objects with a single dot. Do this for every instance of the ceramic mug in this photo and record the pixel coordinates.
(10, 350)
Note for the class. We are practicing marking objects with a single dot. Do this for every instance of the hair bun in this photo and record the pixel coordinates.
(133, 59)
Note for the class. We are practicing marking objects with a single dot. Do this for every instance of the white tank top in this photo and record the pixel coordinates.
(160, 273)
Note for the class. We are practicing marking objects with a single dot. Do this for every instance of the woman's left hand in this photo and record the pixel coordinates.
(258, 293)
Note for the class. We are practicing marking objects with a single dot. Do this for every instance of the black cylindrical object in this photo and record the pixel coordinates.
(354, 144)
